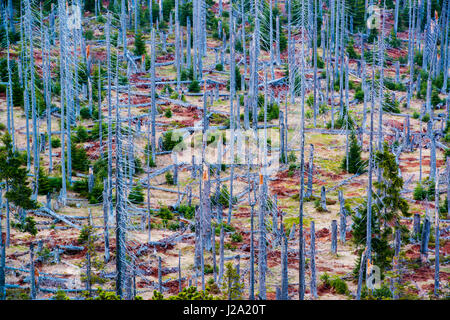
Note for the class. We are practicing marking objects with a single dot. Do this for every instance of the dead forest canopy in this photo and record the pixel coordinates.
(224, 149)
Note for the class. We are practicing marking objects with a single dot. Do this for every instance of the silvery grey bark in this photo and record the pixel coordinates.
(88, 257)
(262, 266)
(343, 217)
(416, 226)
(334, 236)
(221, 253)
(178, 54)
(206, 213)
(159, 275)
(425, 239)
(188, 43)
(2, 254)
(9, 96)
(105, 219)
(284, 268)
(315, 107)
(367, 255)
(432, 137)
(62, 40)
(252, 203)
(180, 287)
(448, 187)
(301, 244)
(121, 263)
(437, 236)
(313, 262)
(310, 171)
(32, 271)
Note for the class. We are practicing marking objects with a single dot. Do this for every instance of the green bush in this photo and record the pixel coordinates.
(359, 95)
(80, 186)
(292, 157)
(194, 87)
(447, 137)
(292, 168)
(219, 67)
(236, 237)
(85, 113)
(355, 163)
(424, 190)
(222, 198)
(170, 140)
(96, 195)
(165, 214)
(101, 168)
(390, 105)
(187, 74)
(226, 228)
(209, 269)
(341, 123)
(28, 225)
(81, 134)
(383, 293)
(56, 143)
(339, 285)
(136, 195)
(174, 226)
(139, 44)
(318, 206)
(80, 161)
(426, 118)
(48, 184)
(273, 112)
(60, 295)
(352, 53)
(95, 132)
(89, 34)
(187, 211)
(169, 178)
(435, 100)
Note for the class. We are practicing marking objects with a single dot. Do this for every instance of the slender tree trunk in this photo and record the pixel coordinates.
(437, 237)
(313, 262)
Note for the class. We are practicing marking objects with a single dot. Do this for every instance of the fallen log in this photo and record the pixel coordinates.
(57, 216)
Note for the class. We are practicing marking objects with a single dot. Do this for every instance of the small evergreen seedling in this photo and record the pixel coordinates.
(194, 87)
(355, 163)
(136, 195)
(139, 44)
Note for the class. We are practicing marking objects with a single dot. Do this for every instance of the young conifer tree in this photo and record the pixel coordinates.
(139, 44)
(355, 163)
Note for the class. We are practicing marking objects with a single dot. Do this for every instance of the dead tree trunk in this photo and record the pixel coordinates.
(32, 276)
(323, 200)
(416, 226)
(284, 269)
(262, 239)
(424, 240)
(105, 219)
(437, 237)
(310, 171)
(2, 254)
(343, 218)
(313, 262)
(334, 236)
